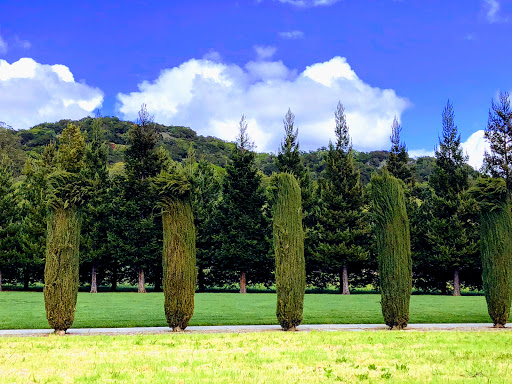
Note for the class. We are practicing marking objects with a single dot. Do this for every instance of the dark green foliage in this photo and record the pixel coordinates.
(10, 147)
(445, 247)
(398, 160)
(68, 191)
(289, 250)
(179, 246)
(243, 248)
(499, 135)
(288, 157)
(61, 269)
(342, 225)
(496, 247)
(393, 248)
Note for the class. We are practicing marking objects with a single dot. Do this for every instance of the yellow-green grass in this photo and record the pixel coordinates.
(21, 310)
(271, 357)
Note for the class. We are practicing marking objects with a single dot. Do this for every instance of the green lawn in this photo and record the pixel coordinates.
(26, 309)
(269, 357)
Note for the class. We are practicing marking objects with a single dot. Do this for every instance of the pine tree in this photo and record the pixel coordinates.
(142, 163)
(179, 246)
(243, 246)
(288, 158)
(447, 231)
(289, 250)
(393, 248)
(95, 214)
(495, 247)
(398, 160)
(9, 220)
(68, 192)
(342, 226)
(499, 135)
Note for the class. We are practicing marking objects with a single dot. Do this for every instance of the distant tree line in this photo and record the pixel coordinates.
(116, 186)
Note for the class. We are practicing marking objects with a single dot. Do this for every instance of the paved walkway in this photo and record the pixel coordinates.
(251, 328)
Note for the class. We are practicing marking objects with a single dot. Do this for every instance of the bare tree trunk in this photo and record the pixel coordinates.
(243, 283)
(456, 283)
(94, 285)
(344, 281)
(142, 282)
(26, 279)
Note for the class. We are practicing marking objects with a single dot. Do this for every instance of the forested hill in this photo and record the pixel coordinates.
(177, 141)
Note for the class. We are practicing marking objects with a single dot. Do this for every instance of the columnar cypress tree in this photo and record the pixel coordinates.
(495, 247)
(179, 247)
(289, 250)
(68, 190)
(393, 248)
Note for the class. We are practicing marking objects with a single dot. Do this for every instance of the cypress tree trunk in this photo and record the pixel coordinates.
(289, 251)
(243, 283)
(394, 249)
(344, 281)
(456, 283)
(179, 260)
(496, 251)
(94, 286)
(61, 269)
(142, 282)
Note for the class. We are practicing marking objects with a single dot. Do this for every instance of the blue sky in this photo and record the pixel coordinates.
(204, 63)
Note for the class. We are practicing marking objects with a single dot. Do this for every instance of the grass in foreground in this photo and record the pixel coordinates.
(20, 310)
(273, 357)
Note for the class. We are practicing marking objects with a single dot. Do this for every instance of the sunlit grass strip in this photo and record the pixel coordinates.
(351, 357)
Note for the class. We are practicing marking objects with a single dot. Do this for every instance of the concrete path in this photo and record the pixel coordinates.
(251, 328)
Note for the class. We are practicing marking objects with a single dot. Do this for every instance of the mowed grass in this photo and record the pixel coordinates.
(19, 310)
(270, 357)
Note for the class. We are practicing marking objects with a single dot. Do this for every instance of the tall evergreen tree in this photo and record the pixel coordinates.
(142, 163)
(95, 215)
(499, 135)
(289, 159)
(450, 241)
(243, 229)
(289, 250)
(68, 191)
(496, 247)
(206, 191)
(393, 248)
(179, 246)
(398, 160)
(10, 234)
(341, 223)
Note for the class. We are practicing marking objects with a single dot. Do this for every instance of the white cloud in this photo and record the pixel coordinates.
(210, 98)
(309, 3)
(32, 93)
(475, 146)
(3, 46)
(213, 56)
(420, 152)
(264, 52)
(292, 35)
(492, 9)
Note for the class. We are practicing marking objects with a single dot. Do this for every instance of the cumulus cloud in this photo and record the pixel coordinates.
(210, 98)
(32, 93)
(309, 3)
(3, 46)
(475, 147)
(292, 35)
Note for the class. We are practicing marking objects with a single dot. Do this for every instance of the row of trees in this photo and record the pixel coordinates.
(122, 236)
